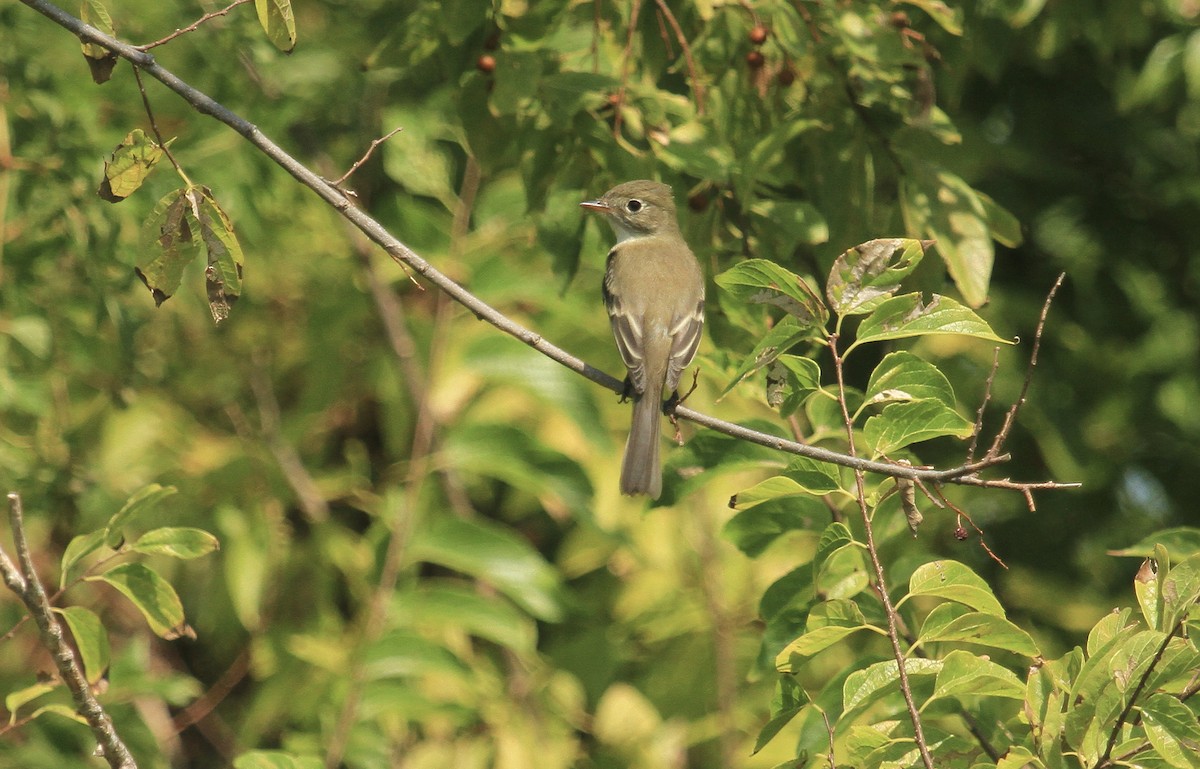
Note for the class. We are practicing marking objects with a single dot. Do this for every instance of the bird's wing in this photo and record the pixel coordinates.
(685, 339)
(627, 330)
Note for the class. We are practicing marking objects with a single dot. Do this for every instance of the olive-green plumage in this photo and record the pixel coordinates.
(654, 292)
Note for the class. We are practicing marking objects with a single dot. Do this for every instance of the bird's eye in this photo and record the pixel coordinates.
(633, 206)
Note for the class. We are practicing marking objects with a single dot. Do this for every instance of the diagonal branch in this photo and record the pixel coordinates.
(25, 583)
(402, 254)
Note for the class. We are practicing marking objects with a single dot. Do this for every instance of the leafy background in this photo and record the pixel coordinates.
(538, 617)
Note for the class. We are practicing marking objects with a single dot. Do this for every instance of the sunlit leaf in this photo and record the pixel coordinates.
(965, 675)
(78, 549)
(908, 315)
(142, 500)
(276, 759)
(759, 281)
(955, 581)
(15, 700)
(176, 542)
(278, 22)
(1173, 730)
(1180, 590)
(864, 277)
(902, 376)
(902, 424)
(953, 622)
(91, 639)
(1181, 542)
(130, 164)
(152, 595)
(828, 623)
(863, 687)
(100, 60)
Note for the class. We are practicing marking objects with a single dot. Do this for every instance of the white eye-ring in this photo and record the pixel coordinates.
(633, 206)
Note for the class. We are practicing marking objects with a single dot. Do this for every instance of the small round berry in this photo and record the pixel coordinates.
(486, 64)
(758, 35)
(755, 60)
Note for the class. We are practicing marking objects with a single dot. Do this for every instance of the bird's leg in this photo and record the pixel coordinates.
(668, 408)
(627, 390)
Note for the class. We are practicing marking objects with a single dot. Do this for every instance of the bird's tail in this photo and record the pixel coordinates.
(640, 471)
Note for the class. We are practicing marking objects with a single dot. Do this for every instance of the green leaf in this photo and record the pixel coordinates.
(451, 607)
(965, 675)
(828, 623)
(1180, 591)
(1149, 595)
(787, 703)
(176, 542)
(223, 275)
(863, 687)
(902, 376)
(803, 483)
(955, 581)
(901, 424)
(754, 529)
(864, 277)
(169, 243)
(278, 22)
(781, 338)
(1181, 542)
(496, 555)
(100, 60)
(15, 700)
(77, 550)
(790, 380)
(142, 500)
(276, 759)
(91, 639)
(402, 653)
(908, 316)
(939, 205)
(759, 281)
(953, 622)
(131, 162)
(949, 19)
(152, 595)
(1173, 730)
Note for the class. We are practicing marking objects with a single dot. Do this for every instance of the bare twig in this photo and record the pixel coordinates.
(162, 144)
(963, 514)
(1011, 418)
(25, 583)
(199, 709)
(987, 396)
(338, 182)
(312, 501)
(194, 25)
(965, 474)
(880, 578)
(697, 88)
(625, 58)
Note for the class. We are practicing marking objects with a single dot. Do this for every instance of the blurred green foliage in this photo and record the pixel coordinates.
(538, 618)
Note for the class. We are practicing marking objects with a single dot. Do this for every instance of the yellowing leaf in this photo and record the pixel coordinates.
(278, 22)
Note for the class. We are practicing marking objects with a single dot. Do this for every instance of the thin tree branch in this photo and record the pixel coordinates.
(194, 25)
(697, 89)
(880, 578)
(403, 255)
(338, 182)
(28, 587)
(1011, 418)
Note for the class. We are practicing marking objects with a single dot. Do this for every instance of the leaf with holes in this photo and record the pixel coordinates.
(909, 315)
(129, 165)
(223, 275)
(864, 277)
(759, 281)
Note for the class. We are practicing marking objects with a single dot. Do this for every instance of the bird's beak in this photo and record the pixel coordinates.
(596, 205)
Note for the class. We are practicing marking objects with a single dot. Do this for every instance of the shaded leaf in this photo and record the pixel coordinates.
(790, 380)
(276, 759)
(863, 277)
(128, 166)
(1181, 542)
(455, 607)
(91, 639)
(278, 22)
(783, 336)
(223, 274)
(152, 595)
(955, 581)
(495, 555)
(77, 550)
(754, 529)
(176, 542)
(788, 701)
(13, 701)
(169, 244)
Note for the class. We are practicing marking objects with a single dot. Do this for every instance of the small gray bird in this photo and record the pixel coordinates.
(654, 292)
